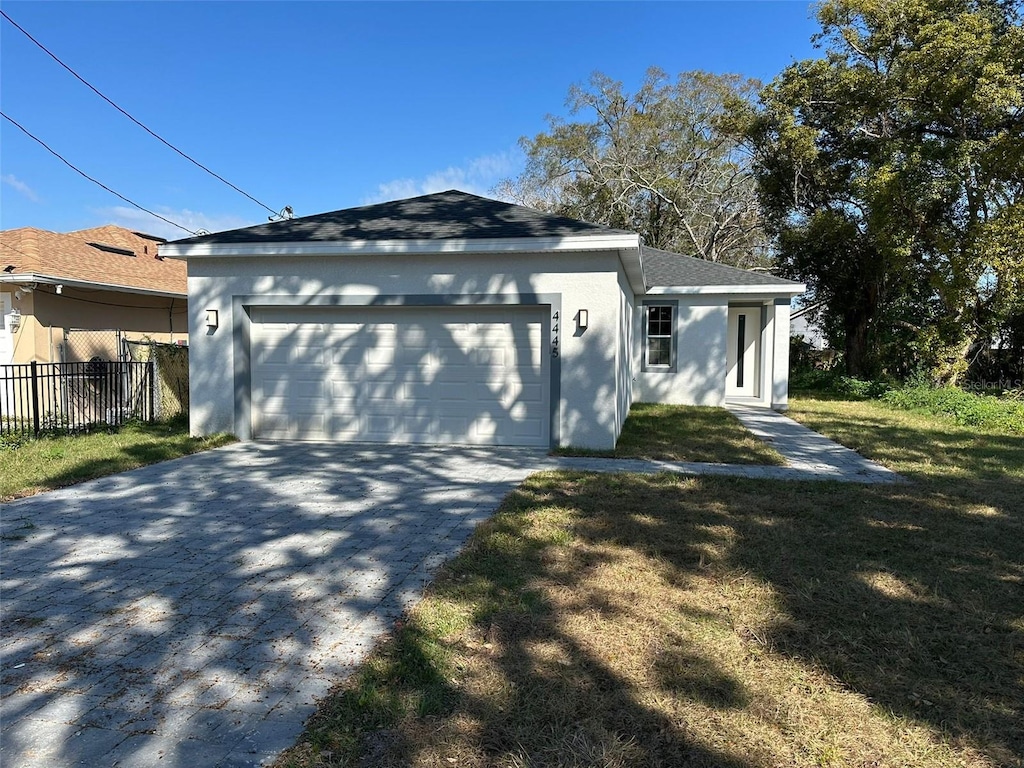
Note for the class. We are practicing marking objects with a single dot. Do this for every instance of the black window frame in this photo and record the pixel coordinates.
(673, 306)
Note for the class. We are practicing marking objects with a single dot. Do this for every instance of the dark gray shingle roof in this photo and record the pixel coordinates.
(441, 216)
(663, 269)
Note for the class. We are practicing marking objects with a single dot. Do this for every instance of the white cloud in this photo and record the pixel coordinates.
(477, 176)
(140, 221)
(13, 181)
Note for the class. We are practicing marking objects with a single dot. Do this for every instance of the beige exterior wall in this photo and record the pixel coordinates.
(45, 316)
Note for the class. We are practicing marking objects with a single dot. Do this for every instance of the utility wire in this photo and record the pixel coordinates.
(90, 178)
(156, 136)
(7, 245)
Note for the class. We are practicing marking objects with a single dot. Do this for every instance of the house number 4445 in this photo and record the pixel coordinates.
(554, 335)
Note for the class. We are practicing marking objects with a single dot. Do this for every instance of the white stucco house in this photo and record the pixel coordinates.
(452, 318)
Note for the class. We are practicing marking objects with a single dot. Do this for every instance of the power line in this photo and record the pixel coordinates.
(7, 245)
(156, 136)
(90, 178)
(65, 297)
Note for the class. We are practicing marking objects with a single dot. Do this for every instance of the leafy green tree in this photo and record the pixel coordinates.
(655, 162)
(891, 173)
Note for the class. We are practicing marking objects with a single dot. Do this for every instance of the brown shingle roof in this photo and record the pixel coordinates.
(108, 255)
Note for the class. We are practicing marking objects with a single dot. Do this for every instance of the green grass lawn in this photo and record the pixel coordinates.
(53, 462)
(685, 433)
(625, 620)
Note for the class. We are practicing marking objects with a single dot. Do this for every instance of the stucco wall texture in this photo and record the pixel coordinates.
(590, 412)
(600, 366)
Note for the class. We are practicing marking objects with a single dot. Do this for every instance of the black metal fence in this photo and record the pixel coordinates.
(70, 397)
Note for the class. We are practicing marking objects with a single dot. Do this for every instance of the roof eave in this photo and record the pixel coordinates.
(24, 278)
(595, 242)
(787, 289)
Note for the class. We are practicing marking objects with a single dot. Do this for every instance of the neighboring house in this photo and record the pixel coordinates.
(452, 318)
(70, 297)
(804, 324)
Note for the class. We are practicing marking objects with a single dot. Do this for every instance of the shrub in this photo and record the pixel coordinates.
(964, 408)
(835, 383)
(11, 441)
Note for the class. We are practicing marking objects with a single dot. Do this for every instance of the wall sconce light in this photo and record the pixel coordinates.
(14, 320)
(582, 318)
(211, 318)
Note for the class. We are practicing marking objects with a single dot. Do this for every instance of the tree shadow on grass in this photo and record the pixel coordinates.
(903, 602)
(909, 597)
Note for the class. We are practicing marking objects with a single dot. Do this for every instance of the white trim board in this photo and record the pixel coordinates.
(340, 247)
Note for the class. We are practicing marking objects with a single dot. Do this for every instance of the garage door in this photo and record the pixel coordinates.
(401, 375)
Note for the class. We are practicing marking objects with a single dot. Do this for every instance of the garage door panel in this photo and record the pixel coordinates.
(484, 428)
(381, 355)
(343, 391)
(382, 392)
(352, 356)
(453, 427)
(401, 375)
(310, 423)
(341, 425)
(492, 356)
(379, 426)
(274, 425)
(531, 394)
(528, 428)
(280, 390)
(293, 426)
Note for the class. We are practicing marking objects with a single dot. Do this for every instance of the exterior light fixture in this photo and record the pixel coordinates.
(21, 290)
(582, 318)
(211, 318)
(14, 320)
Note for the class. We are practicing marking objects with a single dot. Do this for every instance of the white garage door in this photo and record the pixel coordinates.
(401, 375)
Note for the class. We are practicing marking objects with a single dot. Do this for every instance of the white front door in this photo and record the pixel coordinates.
(743, 349)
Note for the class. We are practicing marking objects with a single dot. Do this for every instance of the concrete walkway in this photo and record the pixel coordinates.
(808, 455)
(190, 614)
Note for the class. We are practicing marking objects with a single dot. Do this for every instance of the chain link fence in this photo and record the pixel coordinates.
(84, 345)
(171, 398)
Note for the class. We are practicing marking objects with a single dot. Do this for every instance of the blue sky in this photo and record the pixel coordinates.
(324, 105)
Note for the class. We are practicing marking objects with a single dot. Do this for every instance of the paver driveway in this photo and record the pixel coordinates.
(190, 613)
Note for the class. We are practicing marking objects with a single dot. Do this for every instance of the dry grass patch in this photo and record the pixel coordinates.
(30, 466)
(623, 620)
(685, 433)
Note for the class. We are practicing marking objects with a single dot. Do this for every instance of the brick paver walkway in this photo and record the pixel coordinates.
(190, 614)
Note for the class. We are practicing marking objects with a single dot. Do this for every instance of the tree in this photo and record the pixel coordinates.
(891, 174)
(655, 162)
